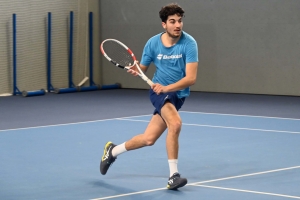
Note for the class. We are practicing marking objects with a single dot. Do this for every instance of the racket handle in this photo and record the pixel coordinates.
(145, 78)
(149, 82)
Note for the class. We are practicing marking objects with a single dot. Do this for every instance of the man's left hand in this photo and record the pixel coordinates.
(158, 88)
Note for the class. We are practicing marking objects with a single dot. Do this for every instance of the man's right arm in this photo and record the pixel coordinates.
(134, 71)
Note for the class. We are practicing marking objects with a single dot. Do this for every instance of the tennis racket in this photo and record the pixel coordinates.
(121, 56)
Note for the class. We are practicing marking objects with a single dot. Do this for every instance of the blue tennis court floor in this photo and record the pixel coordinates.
(223, 156)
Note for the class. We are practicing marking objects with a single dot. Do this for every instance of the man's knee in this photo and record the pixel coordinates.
(150, 141)
(175, 125)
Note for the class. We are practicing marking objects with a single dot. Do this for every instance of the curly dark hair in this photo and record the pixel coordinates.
(170, 9)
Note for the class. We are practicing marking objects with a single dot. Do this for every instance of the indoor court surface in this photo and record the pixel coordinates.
(232, 146)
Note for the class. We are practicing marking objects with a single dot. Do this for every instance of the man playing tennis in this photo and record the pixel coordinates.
(175, 55)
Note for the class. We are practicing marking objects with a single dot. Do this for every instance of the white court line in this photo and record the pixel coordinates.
(74, 123)
(240, 115)
(249, 191)
(228, 127)
(198, 183)
(129, 194)
(137, 116)
(238, 128)
(246, 175)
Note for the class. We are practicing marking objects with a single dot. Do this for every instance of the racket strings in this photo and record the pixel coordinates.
(118, 53)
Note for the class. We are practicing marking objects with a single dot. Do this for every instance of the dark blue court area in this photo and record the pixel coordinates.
(232, 147)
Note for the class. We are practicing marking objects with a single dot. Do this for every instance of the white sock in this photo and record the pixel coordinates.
(118, 150)
(173, 166)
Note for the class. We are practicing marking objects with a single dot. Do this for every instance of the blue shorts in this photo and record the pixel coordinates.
(158, 101)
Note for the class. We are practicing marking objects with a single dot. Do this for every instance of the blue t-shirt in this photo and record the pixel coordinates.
(170, 62)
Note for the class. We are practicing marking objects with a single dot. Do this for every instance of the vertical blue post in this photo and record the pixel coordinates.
(49, 85)
(15, 88)
(92, 86)
(91, 47)
(72, 87)
(14, 53)
(71, 51)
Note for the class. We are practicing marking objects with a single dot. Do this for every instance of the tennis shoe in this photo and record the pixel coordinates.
(175, 181)
(107, 158)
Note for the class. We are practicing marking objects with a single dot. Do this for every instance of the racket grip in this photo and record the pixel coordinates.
(146, 79)
(149, 82)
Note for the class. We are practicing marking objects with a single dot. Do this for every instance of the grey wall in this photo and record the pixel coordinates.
(245, 46)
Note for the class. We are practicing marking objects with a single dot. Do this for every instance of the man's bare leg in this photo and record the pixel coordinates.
(173, 121)
(154, 130)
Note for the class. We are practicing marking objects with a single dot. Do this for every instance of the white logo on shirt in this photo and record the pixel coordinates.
(159, 56)
(166, 57)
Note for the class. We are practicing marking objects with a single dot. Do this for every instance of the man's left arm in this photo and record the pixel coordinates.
(189, 80)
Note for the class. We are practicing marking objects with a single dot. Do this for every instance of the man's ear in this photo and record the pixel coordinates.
(163, 25)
